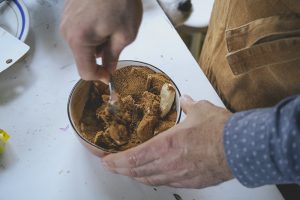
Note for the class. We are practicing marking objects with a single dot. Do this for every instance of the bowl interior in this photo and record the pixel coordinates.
(80, 94)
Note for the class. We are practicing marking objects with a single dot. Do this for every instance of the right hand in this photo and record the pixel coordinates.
(188, 155)
(100, 28)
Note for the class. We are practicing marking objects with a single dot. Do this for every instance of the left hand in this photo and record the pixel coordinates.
(100, 28)
(189, 155)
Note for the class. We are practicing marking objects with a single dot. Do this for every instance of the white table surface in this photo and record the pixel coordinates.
(44, 159)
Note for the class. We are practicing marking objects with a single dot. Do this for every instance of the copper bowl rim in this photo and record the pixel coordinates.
(101, 148)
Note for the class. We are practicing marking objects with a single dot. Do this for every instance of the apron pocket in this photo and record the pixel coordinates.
(265, 54)
(263, 42)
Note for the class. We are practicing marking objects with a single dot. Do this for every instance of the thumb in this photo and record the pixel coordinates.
(186, 103)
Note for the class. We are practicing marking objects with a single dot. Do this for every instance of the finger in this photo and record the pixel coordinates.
(149, 169)
(155, 180)
(165, 178)
(86, 64)
(186, 103)
(144, 153)
(159, 179)
(168, 166)
(176, 185)
(135, 157)
(164, 172)
(184, 184)
(112, 50)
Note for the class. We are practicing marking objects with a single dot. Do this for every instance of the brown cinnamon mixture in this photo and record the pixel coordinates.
(137, 118)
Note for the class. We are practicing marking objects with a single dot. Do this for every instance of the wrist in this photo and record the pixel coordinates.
(225, 171)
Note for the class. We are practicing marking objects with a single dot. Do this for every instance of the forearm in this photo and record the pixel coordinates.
(263, 146)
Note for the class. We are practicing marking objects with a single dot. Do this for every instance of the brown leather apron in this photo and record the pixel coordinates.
(251, 53)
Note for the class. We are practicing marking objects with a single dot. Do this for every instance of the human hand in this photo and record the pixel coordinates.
(189, 155)
(99, 28)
